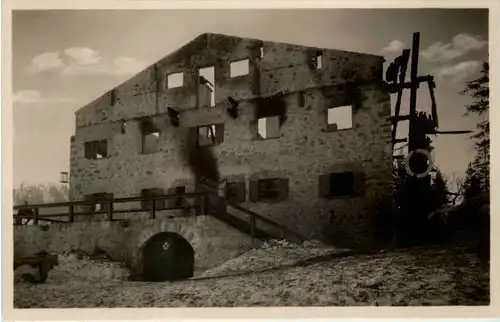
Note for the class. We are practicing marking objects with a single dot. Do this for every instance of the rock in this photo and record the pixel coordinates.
(21, 273)
(34, 269)
(313, 243)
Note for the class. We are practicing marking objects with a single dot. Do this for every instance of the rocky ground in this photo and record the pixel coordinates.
(276, 275)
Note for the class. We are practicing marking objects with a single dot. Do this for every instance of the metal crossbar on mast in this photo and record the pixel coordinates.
(421, 124)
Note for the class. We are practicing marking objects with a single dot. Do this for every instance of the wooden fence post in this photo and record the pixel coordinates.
(35, 216)
(252, 228)
(153, 209)
(202, 205)
(18, 220)
(110, 211)
(186, 205)
(71, 213)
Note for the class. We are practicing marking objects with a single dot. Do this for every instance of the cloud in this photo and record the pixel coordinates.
(460, 71)
(85, 61)
(27, 97)
(83, 56)
(46, 61)
(34, 97)
(461, 45)
(395, 46)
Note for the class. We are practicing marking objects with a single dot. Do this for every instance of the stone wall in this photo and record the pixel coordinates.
(305, 150)
(213, 241)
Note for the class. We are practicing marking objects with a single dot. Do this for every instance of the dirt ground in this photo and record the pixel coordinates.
(270, 276)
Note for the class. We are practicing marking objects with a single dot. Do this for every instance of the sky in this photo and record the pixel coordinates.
(63, 60)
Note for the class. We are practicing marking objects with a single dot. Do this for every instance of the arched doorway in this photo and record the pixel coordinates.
(167, 256)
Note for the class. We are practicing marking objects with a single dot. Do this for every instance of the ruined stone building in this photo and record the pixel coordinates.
(301, 134)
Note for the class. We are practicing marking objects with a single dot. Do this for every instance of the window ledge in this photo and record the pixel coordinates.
(239, 77)
(330, 130)
(266, 139)
(149, 153)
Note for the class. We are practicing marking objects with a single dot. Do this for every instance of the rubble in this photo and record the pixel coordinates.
(78, 267)
(271, 254)
(411, 277)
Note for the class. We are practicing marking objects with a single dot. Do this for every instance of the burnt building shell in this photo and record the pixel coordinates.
(287, 88)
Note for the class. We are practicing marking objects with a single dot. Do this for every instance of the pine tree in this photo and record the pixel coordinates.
(478, 89)
(473, 187)
(440, 191)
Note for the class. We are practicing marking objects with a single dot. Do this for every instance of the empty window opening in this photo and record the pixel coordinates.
(239, 68)
(206, 87)
(123, 127)
(270, 189)
(340, 118)
(150, 137)
(174, 116)
(96, 197)
(175, 80)
(150, 142)
(319, 61)
(159, 203)
(179, 202)
(95, 150)
(342, 184)
(235, 191)
(210, 134)
(268, 127)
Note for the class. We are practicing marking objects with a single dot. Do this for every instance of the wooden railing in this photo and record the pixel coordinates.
(254, 217)
(32, 212)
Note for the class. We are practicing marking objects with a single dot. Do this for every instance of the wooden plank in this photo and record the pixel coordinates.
(153, 210)
(71, 213)
(252, 227)
(259, 217)
(402, 76)
(110, 210)
(35, 216)
(52, 220)
(399, 118)
(117, 200)
(65, 214)
(414, 74)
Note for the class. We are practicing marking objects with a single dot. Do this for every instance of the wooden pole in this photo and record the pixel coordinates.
(203, 205)
(413, 90)
(153, 209)
(252, 228)
(402, 78)
(71, 213)
(110, 210)
(35, 216)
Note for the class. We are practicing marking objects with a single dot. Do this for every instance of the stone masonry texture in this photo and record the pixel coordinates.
(305, 150)
(208, 236)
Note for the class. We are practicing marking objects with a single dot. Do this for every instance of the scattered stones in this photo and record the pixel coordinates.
(34, 269)
(271, 254)
(79, 267)
(422, 276)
